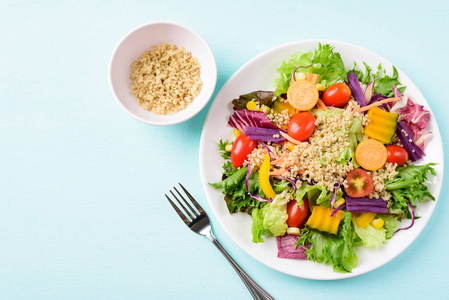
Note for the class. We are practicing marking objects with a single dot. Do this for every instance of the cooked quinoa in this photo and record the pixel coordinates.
(280, 119)
(256, 157)
(165, 79)
(317, 159)
(387, 172)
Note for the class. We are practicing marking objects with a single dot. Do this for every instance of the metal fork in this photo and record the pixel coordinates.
(198, 221)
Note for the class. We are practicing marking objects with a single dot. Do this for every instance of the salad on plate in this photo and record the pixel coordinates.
(328, 161)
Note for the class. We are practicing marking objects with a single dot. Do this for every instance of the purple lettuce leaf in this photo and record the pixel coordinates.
(286, 247)
(242, 118)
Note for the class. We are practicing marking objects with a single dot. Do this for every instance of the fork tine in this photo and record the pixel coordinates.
(200, 209)
(183, 207)
(187, 203)
(181, 215)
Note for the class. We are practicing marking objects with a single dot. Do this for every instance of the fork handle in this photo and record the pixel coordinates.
(256, 290)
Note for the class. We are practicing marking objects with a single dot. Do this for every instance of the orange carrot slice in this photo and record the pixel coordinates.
(371, 154)
(281, 159)
(277, 172)
(313, 78)
(302, 95)
(320, 104)
(375, 104)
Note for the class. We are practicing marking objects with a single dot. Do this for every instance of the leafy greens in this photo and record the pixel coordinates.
(323, 61)
(408, 185)
(384, 83)
(337, 251)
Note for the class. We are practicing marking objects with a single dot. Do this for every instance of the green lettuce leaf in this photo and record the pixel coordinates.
(228, 168)
(337, 251)
(222, 149)
(271, 219)
(233, 187)
(363, 78)
(390, 224)
(324, 113)
(257, 228)
(326, 62)
(276, 214)
(384, 83)
(315, 194)
(409, 185)
(281, 185)
(371, 237)
(355, 137)
(233, 181)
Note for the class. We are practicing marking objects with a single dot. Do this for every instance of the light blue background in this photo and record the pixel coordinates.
(82, 212)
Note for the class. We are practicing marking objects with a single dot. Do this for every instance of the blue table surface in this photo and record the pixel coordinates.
(82, 212)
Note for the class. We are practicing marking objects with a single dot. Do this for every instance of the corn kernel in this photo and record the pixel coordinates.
(291, 146)
(293, 231)
(378, 223)
(265, 109)
(251, 105)
(300, 76)
(228, 147)
(320, 87)
(339, 202)
(236, 133)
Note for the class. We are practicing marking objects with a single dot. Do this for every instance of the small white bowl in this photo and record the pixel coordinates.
(135, 43)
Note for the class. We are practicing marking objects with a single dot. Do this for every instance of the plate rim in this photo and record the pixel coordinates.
(333, 275)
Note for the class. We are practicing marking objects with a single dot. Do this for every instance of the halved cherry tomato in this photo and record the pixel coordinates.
(241, 149)
(337, 95)
(397, 155)
(360, 183)
(301, 126)
(297, 214)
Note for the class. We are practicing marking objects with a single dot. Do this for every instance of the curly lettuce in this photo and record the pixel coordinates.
(323, 61)
(233, 187)
(337, 251)
(384, 83)
(409, 185)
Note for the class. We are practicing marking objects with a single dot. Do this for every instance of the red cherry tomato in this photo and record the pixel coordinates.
(396, 155)
(301, 126)
(337, 95)
(297, 214)
(241, 149)
(360, 183)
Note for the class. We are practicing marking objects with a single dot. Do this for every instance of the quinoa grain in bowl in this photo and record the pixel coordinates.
(165, 79)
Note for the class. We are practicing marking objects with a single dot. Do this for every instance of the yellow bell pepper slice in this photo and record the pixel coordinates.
(382, 125)
(364, 219)
(264, 178)
(279, 106)
(321, 219)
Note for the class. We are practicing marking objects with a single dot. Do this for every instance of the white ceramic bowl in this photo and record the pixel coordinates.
(135, 43)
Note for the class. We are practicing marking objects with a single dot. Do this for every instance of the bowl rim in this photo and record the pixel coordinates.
(170, 121)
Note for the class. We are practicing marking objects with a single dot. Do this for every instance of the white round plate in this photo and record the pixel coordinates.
(258, 74)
